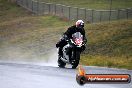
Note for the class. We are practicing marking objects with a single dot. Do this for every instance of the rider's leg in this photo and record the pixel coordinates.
(61, 44)
(60, 53)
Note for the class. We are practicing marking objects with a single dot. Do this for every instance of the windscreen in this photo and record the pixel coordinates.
(77, 38)
(77, 35)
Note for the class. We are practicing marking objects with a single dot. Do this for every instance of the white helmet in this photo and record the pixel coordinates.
(79, 23)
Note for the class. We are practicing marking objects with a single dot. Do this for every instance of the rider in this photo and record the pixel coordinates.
(78, 27)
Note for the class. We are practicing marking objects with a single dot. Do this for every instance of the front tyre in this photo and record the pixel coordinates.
(76, 58)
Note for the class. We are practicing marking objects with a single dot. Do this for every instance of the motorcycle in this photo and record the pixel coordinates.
(71, 51)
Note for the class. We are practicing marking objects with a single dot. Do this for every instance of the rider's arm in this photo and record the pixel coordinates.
(68, 33)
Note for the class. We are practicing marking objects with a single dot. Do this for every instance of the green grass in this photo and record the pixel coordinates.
(9, 11)
(26, 36)
(110, 44)
(94, 4)
(106, 61)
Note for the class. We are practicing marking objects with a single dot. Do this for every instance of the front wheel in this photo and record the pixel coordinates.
(76, 58)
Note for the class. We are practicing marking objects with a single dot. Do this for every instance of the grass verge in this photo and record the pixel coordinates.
(109, 44)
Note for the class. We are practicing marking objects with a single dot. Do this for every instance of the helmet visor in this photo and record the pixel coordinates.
(81, 25)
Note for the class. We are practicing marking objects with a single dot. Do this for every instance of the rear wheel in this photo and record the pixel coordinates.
(76, 58)
(61, 64)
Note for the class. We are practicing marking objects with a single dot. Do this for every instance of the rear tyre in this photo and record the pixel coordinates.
(76, 58)
(61, 64)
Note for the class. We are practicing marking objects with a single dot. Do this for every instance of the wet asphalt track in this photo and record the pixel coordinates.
(14, 75)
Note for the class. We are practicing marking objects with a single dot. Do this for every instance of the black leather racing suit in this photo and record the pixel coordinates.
(68, 35)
